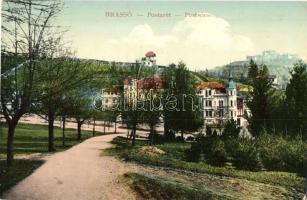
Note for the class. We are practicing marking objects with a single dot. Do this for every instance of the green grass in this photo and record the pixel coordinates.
(174, 159)
(34, 138)
(18, 171)
(157, 188)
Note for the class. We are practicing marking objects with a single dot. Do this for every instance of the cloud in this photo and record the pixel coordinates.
(201, 42)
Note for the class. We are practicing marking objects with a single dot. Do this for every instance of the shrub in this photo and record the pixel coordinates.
(179, 139)
(190, 138)
(216, 153)
(169, 136)
(294, 156)
(282, 154)
(271, 150)
(246, 155)
(157, 138)
(193, 154)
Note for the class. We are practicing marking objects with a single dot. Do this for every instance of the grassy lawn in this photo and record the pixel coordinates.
(30, 139)
(34, 138)
(174, 158)
(157, 188)
(20, 169)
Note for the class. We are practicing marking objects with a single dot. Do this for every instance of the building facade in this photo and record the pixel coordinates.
(221, 103)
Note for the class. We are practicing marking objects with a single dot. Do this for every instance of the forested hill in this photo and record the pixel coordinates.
(277, 63)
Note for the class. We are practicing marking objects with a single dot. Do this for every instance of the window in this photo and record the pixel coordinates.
(231, 114)
(231, 103)
(221, 113)
(230, 92)
(107, 100)
(209, 92)
(206, 93)
(210, 103)
(221, 103)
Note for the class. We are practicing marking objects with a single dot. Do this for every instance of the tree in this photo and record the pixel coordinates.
(60, 77)
(151, 114)
(27, 38)
(130, 113)
(231, 129)
(296, 98)
(260, 102)
(180, 109)
(252, 71)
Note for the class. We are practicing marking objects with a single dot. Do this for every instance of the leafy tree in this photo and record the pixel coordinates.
(27, 38)
(252, 71)
(180, 101)
(260, 102)
(296, 98)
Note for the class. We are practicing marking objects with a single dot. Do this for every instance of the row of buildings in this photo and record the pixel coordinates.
(221, 101)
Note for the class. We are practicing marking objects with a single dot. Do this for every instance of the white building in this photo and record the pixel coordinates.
(221, 103)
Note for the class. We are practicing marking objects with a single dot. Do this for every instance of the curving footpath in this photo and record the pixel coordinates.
(77, 173)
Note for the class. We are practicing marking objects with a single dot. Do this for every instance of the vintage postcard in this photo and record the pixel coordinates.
(104, 100)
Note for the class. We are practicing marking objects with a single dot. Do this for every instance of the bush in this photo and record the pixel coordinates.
(157, 138)
(246, 155)
(190, 138)
(169, 136)
(282, 154)
(216, 153)
(271, 149)
(194, 153)
(179, 139)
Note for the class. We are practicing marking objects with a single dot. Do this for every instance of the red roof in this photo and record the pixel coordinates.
(151, 83)
(128, 80)
(212, 85)
(150, 54)
(116, 89)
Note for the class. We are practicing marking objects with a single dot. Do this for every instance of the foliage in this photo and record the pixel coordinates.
(260, 102)
(231, 129)
(216, 153)
(194, 153)
(296, 98)
(169, 136)
(155, 138)
(180, 100)
(175, 153)
(246, 155)
(279, 153)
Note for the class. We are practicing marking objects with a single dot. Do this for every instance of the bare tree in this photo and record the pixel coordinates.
(26, 28)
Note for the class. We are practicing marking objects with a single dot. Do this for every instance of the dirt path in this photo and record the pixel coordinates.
(78, 173)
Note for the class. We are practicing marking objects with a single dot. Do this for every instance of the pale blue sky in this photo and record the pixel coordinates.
(234, 30)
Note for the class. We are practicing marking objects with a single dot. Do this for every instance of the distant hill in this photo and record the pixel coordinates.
(279, 64)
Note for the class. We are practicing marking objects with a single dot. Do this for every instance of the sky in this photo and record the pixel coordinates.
(222, 32)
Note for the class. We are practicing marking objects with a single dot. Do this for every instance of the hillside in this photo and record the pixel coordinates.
(279, 64)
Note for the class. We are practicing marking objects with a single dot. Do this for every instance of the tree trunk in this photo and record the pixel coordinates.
(152, 135)
(115, 127)
(104, 127)
(133, 134)
(63, 130)
(166, 129)
(79, 123)
(10, 143)
(51, 116)
(94, 126)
